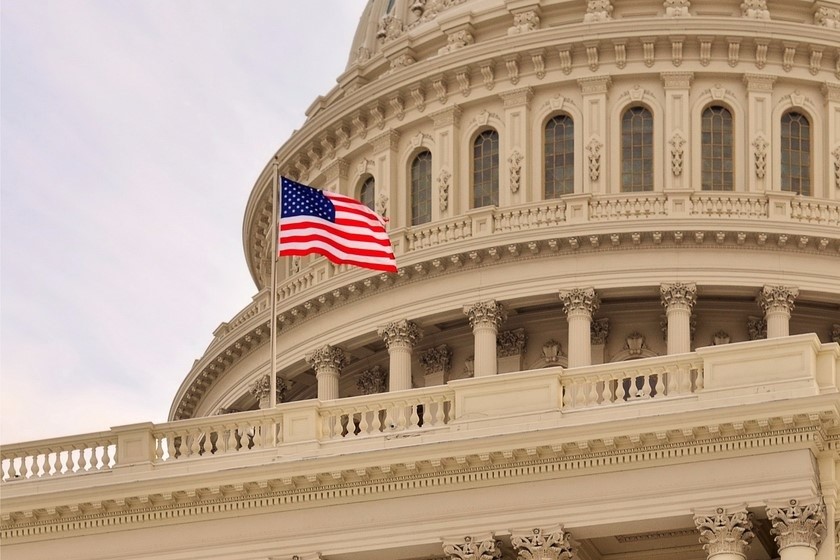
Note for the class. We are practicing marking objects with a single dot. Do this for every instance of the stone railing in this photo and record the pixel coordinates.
(733, 374)
(628, 206)
(729, 205)
(823, 212)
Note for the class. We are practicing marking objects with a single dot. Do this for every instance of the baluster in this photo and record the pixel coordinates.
(646, 383)
(84, 462)
(620, 393)
(337, 427)
(376, 420)
(683, 381)
(402, 418)
(606, 392)
(195, 442)
(66, 459)
(674, 379)
(414, 420)
(699, 380)
(364, 424)
(592, 397)
(660, 382)
(172, 451)
(440, 415)
(6, 465)
(232, 446)
(184, 444)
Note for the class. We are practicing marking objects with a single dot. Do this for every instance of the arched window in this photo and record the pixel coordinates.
(367, 195)
(486, 169)
(796, 153)
(637, 150)
(559, 156)
(716, 159)
(421, 188)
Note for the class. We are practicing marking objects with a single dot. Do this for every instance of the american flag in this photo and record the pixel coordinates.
(338, 227)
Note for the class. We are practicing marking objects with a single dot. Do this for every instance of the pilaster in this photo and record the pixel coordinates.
(594, 91)
(759, 128)
(725, 535)
(385, 165)
(831, 93)
(678, 299)
(514, 163)
(327, 361)
(580, 304)
(336, 176)
(777, 303)
(485, 319)
(400, 338)
(677, 128)
(445, 178)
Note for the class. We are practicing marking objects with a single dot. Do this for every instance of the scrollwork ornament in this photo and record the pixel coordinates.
(836, 154)
(755, 9)
(798, 524)
(760, 145)
(599, 331)
(777, 298)
(835, 333)
(725, 532)
(677, 142)
(826, 16)
(678, 294)
(676, 8)
(552, 351)
(473, 549)
(515, 162)
(756, 328)
(593, 150)
(524, 22)
(443, 184)
(552, 544)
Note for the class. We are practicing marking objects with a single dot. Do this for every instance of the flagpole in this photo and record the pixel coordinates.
(275, 195)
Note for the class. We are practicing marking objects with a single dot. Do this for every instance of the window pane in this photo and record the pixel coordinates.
(637, 150)
(796, 153)
(559, 157)
(421, 188)
(367, 195)
(716, 149)
(486, 169)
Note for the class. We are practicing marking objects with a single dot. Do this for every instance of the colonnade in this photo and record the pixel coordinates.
(798, 527)
(580, 304)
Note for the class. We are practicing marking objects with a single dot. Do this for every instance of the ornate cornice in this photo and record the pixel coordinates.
(486, 313)
(403, 333)
(723, 532)
(798, 524)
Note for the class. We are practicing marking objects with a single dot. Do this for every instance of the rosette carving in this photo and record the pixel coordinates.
(402, 332)
(777, 298)
(580, 299)
(724, 532)
(552, 544)
(489, 312)
(798, 524)
(473, 549)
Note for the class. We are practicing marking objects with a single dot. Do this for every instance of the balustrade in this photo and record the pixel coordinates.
(58, 457)
(531, 216)
(726, 205)
(627, 206)
(815, 212)
(216, 435)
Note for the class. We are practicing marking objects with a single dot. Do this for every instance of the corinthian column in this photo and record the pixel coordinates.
(537, 544)
(725, 536)
(777, 303)
(580, 304)
(400, 338)
(327, 362)
(473, 548)
(678, 299)
(485, 319)
(799, 529)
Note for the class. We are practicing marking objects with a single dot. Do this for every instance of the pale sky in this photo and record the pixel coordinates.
(131, 133)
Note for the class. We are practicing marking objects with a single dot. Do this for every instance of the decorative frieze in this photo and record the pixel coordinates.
(797, 524)
(598, 10)
(550, 544)
(372, 380)
(723, 532)
(437, 359)
(580, 299)
(402, 333)
(678, 294)
(510, 343)
(489, 312)
(599, 331)
(777, 298)
(481, 548)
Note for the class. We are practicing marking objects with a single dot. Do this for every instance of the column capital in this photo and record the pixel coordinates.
(372, 380)
(549, 544)
(798, 524)
(489, 312)
(580, 299)
(327, 359)
(450, 116)
(595, 85)
(400, 333)
(473, 548)
(510, 343)
(261, 388)
(724, 532)
(599, 331)
(437, 359)
(777, 298)
(678, 294)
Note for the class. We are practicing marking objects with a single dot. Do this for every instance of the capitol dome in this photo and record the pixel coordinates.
(613, 332)
(526, 150)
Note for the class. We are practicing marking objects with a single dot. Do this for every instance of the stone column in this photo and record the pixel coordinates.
(513, 164)
(677, 128)
(400, 338)
(327, 362)
(759, 131)
(472, 548)
(799, 529)
(678, 299)
(594, 91)
(384, 155)
(777, 303)
(446, 123)
(485, 319)
(436, 361)
(725, 535)
(580, 304)
(549, 544)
